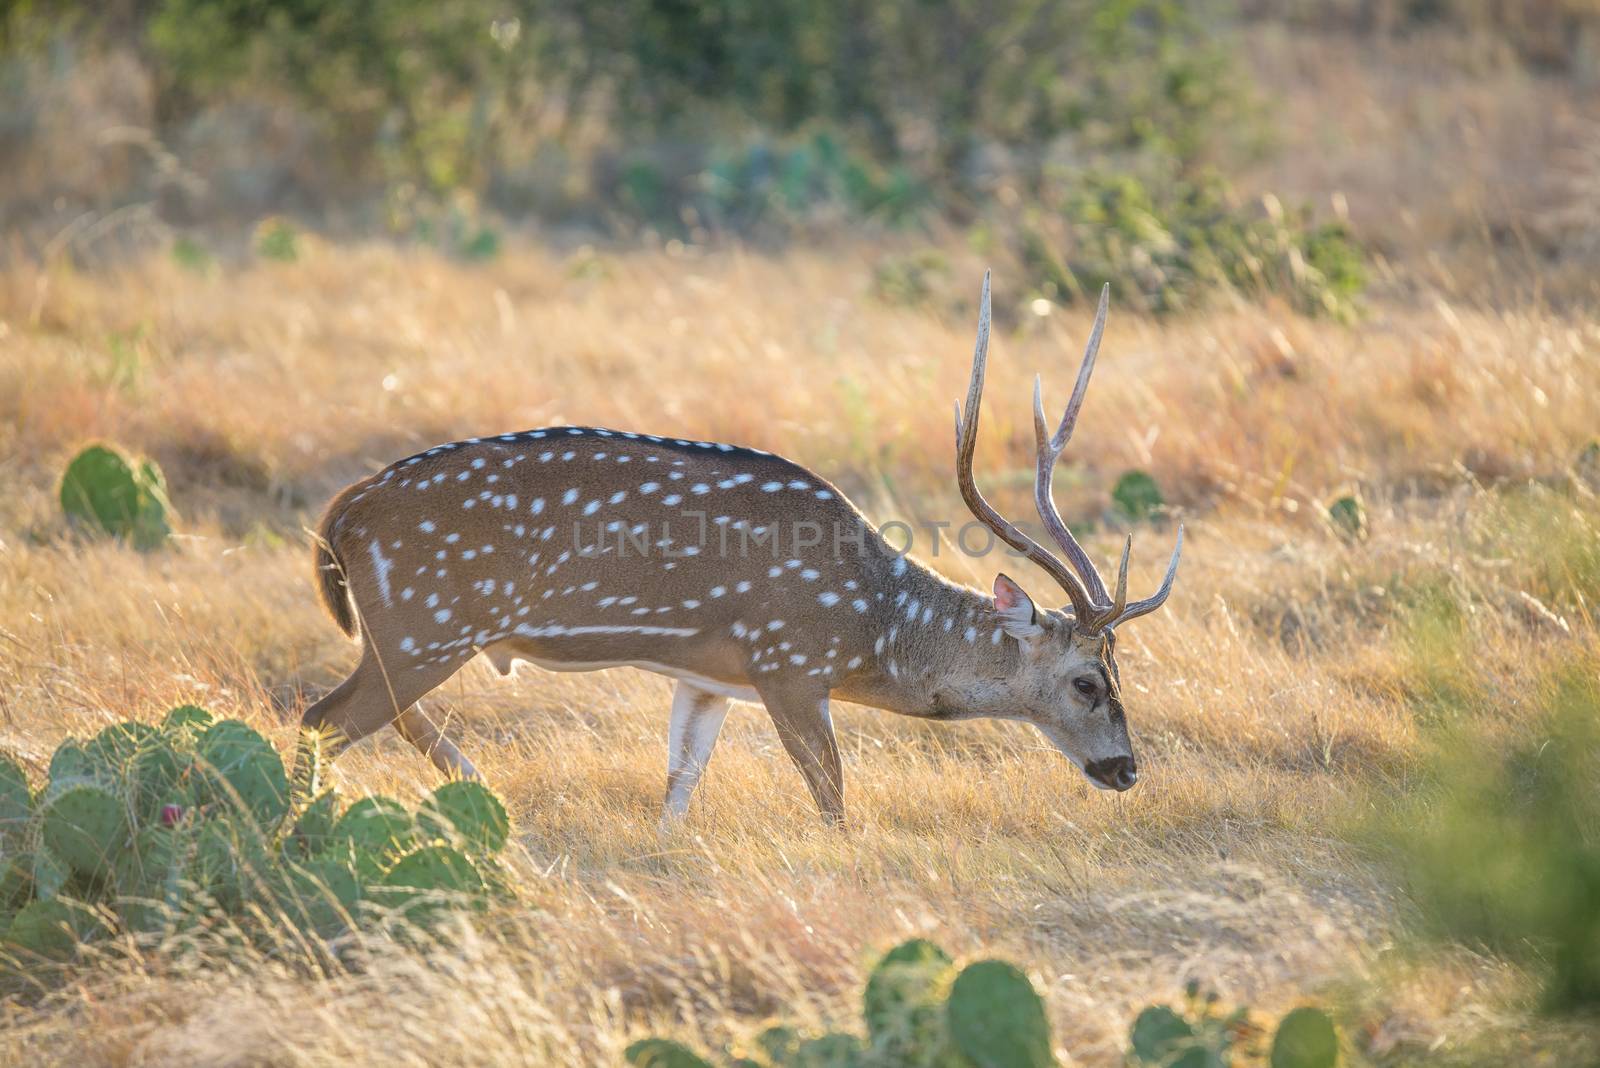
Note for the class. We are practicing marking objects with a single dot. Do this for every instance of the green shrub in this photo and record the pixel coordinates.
(105, 491)
(1137, 495)
(1499, 844)
(1349, 517)
(151, 830)
(277, 240)
(1167, 242)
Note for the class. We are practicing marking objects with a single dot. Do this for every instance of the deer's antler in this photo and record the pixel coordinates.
(1093, 608)
(967, 444)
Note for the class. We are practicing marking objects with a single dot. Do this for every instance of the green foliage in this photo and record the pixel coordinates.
(1137, 496)
(1202, 1035)
(105, 491)
(1500, 843)
(764, 184)
(153, 831)
(909, 280)
(1168, 242)
(192, 256)
(277, 240)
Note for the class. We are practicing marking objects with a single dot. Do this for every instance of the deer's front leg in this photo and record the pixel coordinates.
(805, 726)
(696, 721)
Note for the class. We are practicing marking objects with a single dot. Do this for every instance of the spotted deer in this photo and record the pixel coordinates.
(737, 573)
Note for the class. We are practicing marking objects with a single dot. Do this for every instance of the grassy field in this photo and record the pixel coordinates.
(1281, 695)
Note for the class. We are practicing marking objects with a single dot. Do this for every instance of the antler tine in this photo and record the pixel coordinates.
(1120, 602)
(1049, 451)
(1149, 604)
(1084, 607)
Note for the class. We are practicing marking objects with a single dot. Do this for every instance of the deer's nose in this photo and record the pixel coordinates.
(1115, 773)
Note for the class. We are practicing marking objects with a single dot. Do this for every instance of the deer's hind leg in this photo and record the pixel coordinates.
(372, 698)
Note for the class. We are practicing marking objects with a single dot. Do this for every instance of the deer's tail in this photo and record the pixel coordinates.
(332, 587)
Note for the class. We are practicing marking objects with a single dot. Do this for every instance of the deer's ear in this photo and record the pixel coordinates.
(1015, 609)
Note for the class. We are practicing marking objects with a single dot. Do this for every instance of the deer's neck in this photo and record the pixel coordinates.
(933, 638)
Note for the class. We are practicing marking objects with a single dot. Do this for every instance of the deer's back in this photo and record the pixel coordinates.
(585, 545)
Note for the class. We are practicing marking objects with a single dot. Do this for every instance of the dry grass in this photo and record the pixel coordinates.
(1277, 694)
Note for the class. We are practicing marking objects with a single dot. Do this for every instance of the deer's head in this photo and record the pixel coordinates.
(1064, 678)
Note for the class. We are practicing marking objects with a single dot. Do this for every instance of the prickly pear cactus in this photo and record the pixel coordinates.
(242, 769)
(904, 1005)
(103, 491)
(168, 829)
(85, 827)
(997, 1019)
(466, 814)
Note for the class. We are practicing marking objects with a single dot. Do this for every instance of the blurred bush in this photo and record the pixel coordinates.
(905, 94)
(1168, 243)
(1108, 120)
(1500, 843)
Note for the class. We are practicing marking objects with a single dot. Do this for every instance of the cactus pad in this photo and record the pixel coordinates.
(186, 718)
(50, 874)
(1305, 1039)
(997, 1019)
(113, 749)
(322, 894)
(663, 1053)
(243, 769)
(85, 827)
(52, 929)
(71, 761)
(435, 868)
(313, 828)
(156, 776)
(467, 814)
(376, 825)
(148, 877)
(16, 880)
(16, 804)
(103, 491)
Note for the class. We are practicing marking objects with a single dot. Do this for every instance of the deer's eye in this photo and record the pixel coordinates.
(1085, 686)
